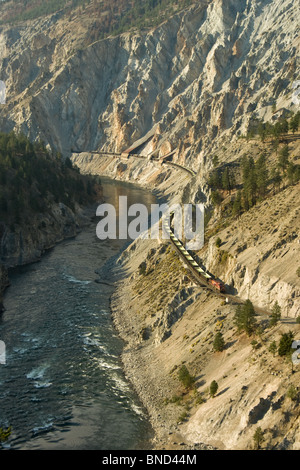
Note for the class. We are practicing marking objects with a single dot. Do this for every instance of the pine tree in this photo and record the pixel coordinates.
(275, 314)
(284, 126)
(219, 342)
(273, 348)
(237, 205)
(276, 179)
(262, 132)
(226, 180)
(213, 388)
(185, 377)
(258, 438)
(262, 175)
(249, 183)
(244, 318)
(294, 122)
(216, 198)
(285, 344)
(283, 159)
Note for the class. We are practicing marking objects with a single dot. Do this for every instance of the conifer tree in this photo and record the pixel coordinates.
(285, 344)
(273, 348)
(237, 205)
(275, 314)
(219, 342)
(283, 159)
(262, 175)
(258, 438)
(244, 318)
(213, 388)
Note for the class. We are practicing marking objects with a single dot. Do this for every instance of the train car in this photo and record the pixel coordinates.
(219, 285)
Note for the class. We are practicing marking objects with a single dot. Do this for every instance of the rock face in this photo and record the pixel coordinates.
(259, 254)
(26, 244)
(200, 76)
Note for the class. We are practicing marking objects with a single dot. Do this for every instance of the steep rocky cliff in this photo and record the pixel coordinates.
(27, 244)
(201, 77)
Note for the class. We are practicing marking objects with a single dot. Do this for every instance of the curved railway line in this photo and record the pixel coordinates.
(162, 160)
(198, 274)
(202, 277)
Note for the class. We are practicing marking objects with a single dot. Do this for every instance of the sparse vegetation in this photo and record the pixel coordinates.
(255, 344)
(275, 314)
(176, 400)
(110, 16)
(4, 434)
(219, 342)
(185, 377)
(199, 399)
(292, 392)
(223, 256)
(182, 417)
(213, 388)
(258, 438)
(285, 344)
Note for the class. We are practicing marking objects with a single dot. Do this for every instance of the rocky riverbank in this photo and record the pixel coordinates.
(144, 363)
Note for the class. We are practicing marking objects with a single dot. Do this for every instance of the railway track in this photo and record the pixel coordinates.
(202, 277)
(198, 274)
(127, 155)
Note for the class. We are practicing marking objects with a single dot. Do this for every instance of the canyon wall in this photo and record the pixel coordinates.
(198, 79)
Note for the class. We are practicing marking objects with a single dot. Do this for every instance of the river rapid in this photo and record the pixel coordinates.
(62, 386)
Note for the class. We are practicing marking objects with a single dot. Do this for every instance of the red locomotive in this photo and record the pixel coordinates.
(219, 285)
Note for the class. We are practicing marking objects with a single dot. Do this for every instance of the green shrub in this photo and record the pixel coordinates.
(185, 377)
(142, 268)
(292, 392)
(244, 318)
(218, 242)
(258, 438)
(4, 434)
(273, 348)
(213, 388)
(285, 344)
(219, 342)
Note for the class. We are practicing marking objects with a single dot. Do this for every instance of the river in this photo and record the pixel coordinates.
(62, 386)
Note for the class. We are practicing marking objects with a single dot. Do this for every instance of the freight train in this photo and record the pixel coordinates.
(219, 285)
(215, 283)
